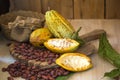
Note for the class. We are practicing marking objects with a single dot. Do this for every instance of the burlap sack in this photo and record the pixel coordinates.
(11, 16)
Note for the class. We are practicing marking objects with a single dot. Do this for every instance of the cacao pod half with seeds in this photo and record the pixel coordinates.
(74, 62)
(60, 27)
(61, 45)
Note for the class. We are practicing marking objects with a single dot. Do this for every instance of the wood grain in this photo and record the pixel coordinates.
(12, 5)
(35, 6)
(72, 9)
(87, 9)
(64, 7)
(44, 5)
(113, 9)
(51, 4)
(21, 4)
(25, 5)
(67, 8)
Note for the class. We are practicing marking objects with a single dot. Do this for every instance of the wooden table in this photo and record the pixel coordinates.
(112, 27)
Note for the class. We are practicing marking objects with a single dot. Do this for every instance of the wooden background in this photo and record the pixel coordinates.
(72, 9)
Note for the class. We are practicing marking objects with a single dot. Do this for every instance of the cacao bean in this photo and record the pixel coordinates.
(18, 69)
(10, 78)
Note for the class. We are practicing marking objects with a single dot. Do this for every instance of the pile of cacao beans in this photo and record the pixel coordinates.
(19, 69)
(28, 72)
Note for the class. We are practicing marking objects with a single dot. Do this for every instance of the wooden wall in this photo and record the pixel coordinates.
(72, 9)
(112, 9)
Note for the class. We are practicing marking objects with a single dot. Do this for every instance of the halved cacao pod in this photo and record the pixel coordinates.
(61, 27)
(74, 62)
(61, 45)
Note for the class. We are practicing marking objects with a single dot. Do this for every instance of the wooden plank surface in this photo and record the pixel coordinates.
(113, 9)
(64, 7)
(21, 4)
(35, 6)
(25, 5)
(88, 9)
(100, 66)
(51, 4)
(67, 8)
(72, 9)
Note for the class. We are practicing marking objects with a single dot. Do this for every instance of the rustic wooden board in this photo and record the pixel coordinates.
(35, 6)
(21, 4)
(64, 7)
(25, 5)
(67, 8)
(50, 4)
(113, 9)
(44, 4)
(72, 9)
(88, 9)
(100, 66)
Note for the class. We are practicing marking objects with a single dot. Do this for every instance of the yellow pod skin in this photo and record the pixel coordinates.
(39, 36)
(58, 25)
(74, 62)
(61, 45)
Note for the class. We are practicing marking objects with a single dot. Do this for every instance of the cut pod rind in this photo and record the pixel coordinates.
(61, 45)
(74, 62)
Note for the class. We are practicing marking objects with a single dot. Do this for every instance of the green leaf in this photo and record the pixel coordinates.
(76, 37)
(75, 34)
(112, 74)
(109, 53)
(64, 77)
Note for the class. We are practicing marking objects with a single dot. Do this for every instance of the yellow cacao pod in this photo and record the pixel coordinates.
(58, 25)
(61, 45)
(74, 61)
(39, 36)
